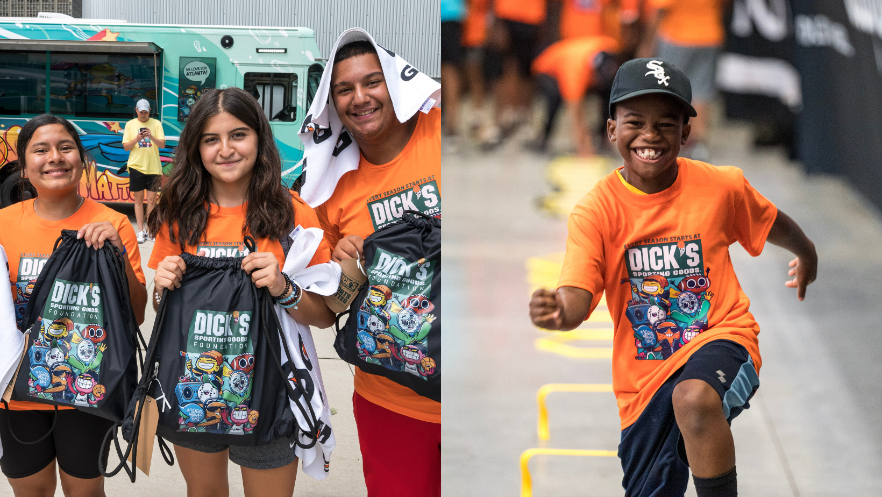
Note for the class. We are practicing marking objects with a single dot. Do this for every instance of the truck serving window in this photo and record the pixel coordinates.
(22, 83)
(276, 93)
(101, 85)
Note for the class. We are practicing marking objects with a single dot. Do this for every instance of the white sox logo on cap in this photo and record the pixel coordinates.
(657, 71)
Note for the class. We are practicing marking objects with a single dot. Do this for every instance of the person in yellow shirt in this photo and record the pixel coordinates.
(143, 138)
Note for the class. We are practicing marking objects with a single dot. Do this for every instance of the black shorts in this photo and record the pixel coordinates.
(139, 181)
(451, 42)
(523, 46)
(75, 442)
(651, 450)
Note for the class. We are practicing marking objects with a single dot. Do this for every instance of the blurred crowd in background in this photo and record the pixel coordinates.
(503, 53)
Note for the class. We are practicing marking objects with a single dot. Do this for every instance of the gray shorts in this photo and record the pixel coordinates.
(698, 63)
(274, 455)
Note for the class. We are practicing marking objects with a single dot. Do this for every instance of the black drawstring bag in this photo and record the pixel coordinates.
(83, 338)
(394, 324)
(214, 365)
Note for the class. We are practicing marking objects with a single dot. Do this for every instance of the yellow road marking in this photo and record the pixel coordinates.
(571, 178)
(543, 392)
(526, 480)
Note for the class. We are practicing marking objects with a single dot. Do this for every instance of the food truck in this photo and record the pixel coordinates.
(92, 72)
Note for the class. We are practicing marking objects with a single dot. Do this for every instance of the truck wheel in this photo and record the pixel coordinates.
(11, 191)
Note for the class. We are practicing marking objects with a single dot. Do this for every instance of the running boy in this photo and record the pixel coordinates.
(654, 236)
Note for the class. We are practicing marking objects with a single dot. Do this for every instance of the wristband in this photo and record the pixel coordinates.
(294, 298)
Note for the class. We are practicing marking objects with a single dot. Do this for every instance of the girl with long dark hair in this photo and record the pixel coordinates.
(52, 157)
(226, 184)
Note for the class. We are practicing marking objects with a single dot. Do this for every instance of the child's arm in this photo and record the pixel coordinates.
(787, 234)
(562, 310)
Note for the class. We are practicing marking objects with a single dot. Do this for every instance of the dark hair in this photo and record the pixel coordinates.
(31, 127)
(185, 201)
(354, 49)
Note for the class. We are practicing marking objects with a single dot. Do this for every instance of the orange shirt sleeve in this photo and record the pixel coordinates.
(307, 217)
(332, 231)
(584, 263)
(754, 215)
(162, 248)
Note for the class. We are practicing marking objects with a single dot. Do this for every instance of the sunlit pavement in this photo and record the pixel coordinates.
(813, 429)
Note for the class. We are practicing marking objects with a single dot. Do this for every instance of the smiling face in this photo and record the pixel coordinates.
(361, 97)
(648, 132)
(52, 160)
(228, 148)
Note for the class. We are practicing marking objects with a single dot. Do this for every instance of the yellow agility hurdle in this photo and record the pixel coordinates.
(558, 343)
(527, 482)
(561, 387)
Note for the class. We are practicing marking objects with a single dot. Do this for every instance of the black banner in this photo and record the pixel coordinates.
(756, 75)
(839, 55)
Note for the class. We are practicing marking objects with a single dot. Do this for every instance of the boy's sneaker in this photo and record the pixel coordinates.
(150, 237)
(142, 236)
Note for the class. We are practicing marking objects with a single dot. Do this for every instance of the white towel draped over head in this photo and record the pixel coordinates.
(328, 150)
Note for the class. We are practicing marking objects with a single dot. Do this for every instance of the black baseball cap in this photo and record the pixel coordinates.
(643, 76)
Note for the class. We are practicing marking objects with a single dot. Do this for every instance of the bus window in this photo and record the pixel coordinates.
(276, 93)
(22, 83)
(313, 78)
(101, 85)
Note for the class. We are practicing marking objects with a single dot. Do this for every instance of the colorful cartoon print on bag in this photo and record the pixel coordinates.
(395, 318)
(65, 358)
(670, 294)
(214, 391)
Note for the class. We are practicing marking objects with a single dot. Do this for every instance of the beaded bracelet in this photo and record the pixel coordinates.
(294, 298)
(294, 301)
(278, 298)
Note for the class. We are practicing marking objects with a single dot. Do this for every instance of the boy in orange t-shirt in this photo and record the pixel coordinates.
(654, 236)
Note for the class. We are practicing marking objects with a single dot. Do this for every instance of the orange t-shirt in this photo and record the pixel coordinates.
(474, 26)
(571, 63)
(28, 240)
(525, 11)
(692, 23)
(373, 196)
(582, 18)
(663, 261)
(223, 236)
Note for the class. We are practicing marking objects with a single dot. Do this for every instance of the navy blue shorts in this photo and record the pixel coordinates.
(652, 452)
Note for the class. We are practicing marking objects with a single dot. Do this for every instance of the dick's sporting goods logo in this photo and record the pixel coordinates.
(222, 331)
(29, 267)
(388, 207)
(223, 249)
(672, 259)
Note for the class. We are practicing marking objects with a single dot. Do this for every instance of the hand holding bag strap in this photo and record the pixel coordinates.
(268, 306)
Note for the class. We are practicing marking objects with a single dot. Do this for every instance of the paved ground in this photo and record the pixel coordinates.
(345, 477)
(813, 429)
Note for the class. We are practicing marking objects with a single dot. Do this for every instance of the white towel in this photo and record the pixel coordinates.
(323, 280)
(11, 340)
(410, 91)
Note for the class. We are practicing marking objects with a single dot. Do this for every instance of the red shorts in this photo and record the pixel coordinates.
(402, 455)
